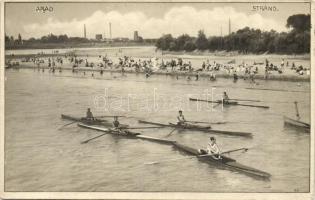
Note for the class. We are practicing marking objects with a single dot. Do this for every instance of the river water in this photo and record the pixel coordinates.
(39, 157)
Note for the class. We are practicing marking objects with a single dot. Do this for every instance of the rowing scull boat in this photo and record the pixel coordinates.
(90, 122)
(230, 103)
(199, 128)
(296, 124)
(225, 161)
(130, 135)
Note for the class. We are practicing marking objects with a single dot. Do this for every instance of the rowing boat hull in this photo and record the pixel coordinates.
(296, 124)
(225, 161)
(190, 126)
(229, 103)
(89, 122)
(132, 135)
(219, 102)
(203, 129)
(82, 120)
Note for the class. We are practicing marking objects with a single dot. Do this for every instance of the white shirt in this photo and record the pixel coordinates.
(181, 118)
(213, 148)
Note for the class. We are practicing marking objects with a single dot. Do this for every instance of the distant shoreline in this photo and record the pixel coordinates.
(271, 77)
(165, 54)
(75, 45)
(149, 52)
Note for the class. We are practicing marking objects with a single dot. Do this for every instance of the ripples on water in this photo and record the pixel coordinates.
(39, 157)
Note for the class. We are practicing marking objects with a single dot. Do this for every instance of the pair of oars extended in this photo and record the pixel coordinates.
(109, 130)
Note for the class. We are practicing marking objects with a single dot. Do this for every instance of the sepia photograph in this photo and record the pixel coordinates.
(156, 97)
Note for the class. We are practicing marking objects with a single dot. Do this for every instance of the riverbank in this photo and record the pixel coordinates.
(147, 58)
(232, 54)
(181, 75)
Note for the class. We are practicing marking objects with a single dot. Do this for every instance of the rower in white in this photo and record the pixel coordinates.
(212, 148)
(181, 119)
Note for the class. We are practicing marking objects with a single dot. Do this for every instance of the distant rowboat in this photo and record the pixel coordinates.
(90, 122)
(86, 121)
(296, 124)
(198, 128)
(229, 103)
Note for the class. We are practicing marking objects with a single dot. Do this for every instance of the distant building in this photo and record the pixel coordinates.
(98, 36)
(230, 26)
(136, 36)
(110, 30)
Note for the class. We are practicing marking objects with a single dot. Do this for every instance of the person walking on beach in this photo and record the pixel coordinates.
(197, 76)
(282, 63)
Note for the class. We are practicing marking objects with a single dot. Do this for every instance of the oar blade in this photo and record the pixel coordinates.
(151, 163)
(66, 125)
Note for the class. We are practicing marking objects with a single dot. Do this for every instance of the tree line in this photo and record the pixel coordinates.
(247, 40)
(61, 39)
(51, 38)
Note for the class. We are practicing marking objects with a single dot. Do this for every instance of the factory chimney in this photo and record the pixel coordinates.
(84, 31)
(110, 30)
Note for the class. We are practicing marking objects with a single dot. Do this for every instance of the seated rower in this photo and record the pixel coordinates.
(181, 119)
(116, 122)
(225, 98)
(212, 148)
(89, 115)
(118, 129)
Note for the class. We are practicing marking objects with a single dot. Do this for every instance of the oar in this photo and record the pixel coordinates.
(198, 156)
(170, 132)
(297, 111)
(66, 125)
(103, 116)
(257, 106)
(216, 105)
(207, 122)
(142, 127)
(246, 100)
(86, 141)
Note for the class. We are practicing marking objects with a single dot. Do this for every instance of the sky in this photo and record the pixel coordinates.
(151, 20)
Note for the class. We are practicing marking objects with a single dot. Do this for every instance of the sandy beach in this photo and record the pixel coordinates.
(230, 59)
